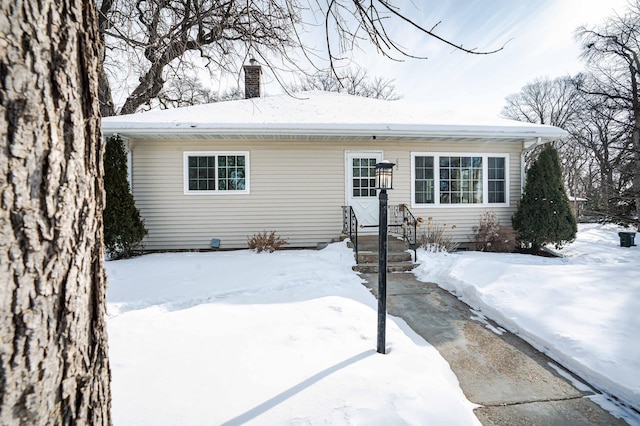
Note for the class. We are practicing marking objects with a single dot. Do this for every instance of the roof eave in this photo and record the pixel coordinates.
(492, 132)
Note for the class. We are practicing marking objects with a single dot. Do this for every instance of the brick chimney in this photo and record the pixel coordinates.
(252, 79)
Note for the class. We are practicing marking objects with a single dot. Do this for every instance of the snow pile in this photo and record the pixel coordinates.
(281, 338)
(582, 309)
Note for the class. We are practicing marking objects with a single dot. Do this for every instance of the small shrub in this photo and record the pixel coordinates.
(265, 241)
(437, 237)
(491, 236)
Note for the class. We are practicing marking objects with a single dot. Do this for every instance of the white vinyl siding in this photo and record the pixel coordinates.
(297, 190)
(459, 179)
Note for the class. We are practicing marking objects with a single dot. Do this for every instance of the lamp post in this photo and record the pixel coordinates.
(384, 181)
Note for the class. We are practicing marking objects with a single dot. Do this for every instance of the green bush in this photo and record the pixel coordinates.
(544, 215)
(123, 227)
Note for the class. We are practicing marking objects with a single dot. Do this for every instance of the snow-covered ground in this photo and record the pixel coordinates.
(281, 338)
(290, 337)
(583, 310)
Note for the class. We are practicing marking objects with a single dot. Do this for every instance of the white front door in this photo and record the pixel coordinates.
(361, 183)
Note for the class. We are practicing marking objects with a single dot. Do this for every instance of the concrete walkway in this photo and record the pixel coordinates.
(511, 380)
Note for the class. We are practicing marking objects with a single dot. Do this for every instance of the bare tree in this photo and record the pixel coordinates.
(612, 53)
(544, 101)
(160, 37)
(189, 90)
(53, 342)
(604, 131)
(576, 161)
(352, 81)
(155, 39)
(553, 102)
(596, 153)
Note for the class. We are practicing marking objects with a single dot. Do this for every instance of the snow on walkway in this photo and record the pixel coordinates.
(583, 310)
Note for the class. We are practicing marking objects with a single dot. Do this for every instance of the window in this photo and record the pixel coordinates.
(424, 180)
(216, 172)
(466, 179)
(460, 180)
(364, 177)
(202, 174)
(496, 179)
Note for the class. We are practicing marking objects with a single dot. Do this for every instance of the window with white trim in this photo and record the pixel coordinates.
(459, 179)
(216, 172)
(496, 179)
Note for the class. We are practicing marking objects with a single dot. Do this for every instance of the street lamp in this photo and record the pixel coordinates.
(384, 175)
(384, 181)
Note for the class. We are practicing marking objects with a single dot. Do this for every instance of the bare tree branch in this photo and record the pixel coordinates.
(612, 53)
(352, 81)
(158, 37)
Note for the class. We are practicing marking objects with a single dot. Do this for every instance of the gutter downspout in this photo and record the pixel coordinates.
(127, 143)
(525, 151)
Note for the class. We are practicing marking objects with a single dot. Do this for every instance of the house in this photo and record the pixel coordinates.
(287, 163)
(577, 205)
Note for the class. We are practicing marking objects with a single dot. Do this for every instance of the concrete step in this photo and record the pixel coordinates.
(398, 258)
(372, 256)
(372, 268)
(370, 243)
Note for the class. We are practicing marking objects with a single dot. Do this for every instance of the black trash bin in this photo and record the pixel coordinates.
(627, 239)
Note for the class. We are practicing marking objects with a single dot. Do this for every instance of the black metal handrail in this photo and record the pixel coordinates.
(401, 217)
(350, 226)
(411, 230)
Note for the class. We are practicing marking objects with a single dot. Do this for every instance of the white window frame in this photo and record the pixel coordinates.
(185, 172)
(436, 174)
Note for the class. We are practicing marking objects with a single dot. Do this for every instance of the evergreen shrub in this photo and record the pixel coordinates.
(123, 227)
(544, 214)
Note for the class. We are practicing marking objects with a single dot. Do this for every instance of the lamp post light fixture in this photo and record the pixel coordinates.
(384, 175)
(384, 181)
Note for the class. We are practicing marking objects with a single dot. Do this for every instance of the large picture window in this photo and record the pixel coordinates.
(459, 179)
(216, 172)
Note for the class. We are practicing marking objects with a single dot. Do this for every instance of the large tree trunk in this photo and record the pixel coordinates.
(53, 343)
(634, 68)
(606, 189)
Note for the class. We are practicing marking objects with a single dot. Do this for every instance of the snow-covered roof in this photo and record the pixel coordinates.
(322, 114)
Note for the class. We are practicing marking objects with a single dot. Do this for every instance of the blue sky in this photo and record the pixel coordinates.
(539, 37)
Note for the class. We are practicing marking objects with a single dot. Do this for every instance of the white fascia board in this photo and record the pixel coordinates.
(338, 130)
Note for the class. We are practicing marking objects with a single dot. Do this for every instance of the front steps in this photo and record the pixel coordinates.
(399, 259)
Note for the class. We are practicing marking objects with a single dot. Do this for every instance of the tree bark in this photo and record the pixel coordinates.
(636, 167)
(53, 343)
(635, 137)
